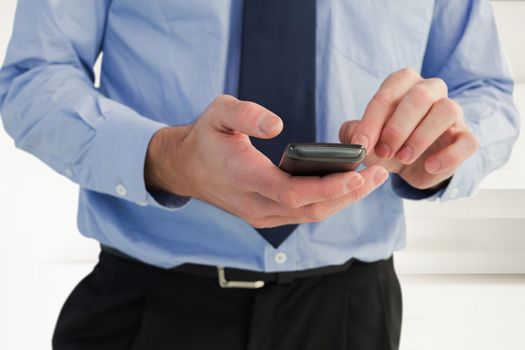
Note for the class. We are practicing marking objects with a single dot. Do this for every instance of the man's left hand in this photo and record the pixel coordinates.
(412, 128)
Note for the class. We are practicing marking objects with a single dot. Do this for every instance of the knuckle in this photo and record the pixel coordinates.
(357, 194)
(417, 142)
(246, 208)
(269, 187)
(450, 108)
(420, 96)
(369, 124)
(394, 133)
(272, 187)
(252, 216)
(314, 212)
(409, 73)
(224, 99)
(333, 192)
(290, 198)
(440, 84)
(257, 222)
(384, 98)
(244, 109)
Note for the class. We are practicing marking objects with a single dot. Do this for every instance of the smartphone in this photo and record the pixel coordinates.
(318, 159)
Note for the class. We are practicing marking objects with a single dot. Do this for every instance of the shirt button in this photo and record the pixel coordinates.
(143, 204)
(121, 190)
(68, 172)
(280, 258)
(454, 193)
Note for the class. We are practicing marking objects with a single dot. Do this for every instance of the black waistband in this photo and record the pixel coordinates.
(246, 275)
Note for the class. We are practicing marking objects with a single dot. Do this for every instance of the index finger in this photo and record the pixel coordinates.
(382, 105)
(297, 191)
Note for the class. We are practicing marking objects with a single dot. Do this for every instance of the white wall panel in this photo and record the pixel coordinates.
(512, 174)
(481, 234)
(510, 19)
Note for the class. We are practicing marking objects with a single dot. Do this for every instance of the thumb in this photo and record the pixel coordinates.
(233, 115)
(347, 131)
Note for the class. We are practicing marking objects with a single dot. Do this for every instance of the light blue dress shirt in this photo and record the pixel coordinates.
(164, 61)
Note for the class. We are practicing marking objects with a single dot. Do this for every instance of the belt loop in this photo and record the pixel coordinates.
(283, 278)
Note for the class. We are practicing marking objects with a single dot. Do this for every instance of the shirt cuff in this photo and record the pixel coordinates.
(122, 142)
(404, 190)
(462, 184)
(466, 179)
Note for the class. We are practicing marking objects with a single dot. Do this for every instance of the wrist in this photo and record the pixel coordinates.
(440, 185)
(164, 166)
(404, 189)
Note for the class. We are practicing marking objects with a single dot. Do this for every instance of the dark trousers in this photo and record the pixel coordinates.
(124, 304)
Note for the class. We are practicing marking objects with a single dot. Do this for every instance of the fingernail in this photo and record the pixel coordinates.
(362, 140)
(383, 150)
(380, 176)
(355, 182)
(404, 154)
(433, 166)
(267, 124)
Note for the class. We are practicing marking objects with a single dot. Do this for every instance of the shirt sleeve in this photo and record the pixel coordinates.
(50, 107)
(465, 51)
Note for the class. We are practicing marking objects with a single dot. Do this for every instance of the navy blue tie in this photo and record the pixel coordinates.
(278, 72)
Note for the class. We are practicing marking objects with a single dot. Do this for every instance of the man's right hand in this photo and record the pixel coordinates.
(213, 160)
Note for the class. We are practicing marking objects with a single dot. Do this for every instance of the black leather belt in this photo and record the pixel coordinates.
(238, 278)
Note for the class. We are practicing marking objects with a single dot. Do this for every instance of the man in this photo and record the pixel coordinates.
(206, 244)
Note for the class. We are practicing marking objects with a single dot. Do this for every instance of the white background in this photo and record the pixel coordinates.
(462, 273)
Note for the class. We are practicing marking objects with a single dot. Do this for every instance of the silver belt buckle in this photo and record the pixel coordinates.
(224, 283)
